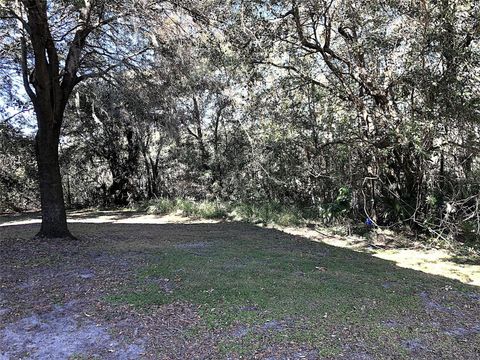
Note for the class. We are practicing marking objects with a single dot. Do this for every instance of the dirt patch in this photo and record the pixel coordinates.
(273, 325)
(240, 331)
(249, 308)
(60, 334)
(391, 324)
(434, 305)
(462, 332)
(292, 353)
(164, 284)
(414, 346)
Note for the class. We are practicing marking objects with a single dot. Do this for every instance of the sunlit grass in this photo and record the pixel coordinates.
(309, 290)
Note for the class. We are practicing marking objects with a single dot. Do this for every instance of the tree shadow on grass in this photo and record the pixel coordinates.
(105, 216)
(287, 294)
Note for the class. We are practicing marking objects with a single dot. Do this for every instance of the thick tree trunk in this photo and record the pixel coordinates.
(49, 88)
(54, 218)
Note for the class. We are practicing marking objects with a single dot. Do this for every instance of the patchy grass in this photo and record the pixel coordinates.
(290, 291)
(403, 252)
(231, 290)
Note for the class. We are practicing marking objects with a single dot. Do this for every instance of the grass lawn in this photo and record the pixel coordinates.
(233, 290)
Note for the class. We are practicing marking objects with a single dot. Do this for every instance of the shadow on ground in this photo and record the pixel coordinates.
(220, 290)
(75, 216)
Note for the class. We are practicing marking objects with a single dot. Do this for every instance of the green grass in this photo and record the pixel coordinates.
(317, 290)
(189, 208)
(270, 213)
(265, 212)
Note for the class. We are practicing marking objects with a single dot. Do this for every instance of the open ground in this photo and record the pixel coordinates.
(139, 286)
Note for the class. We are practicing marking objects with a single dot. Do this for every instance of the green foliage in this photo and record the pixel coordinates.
(184, 207)
(204, 209)
(17, 170)
(269, 213)
(337, 209)
(432, 200)
(158, 206)
(399, 134)
(469, 233)
(264, 213)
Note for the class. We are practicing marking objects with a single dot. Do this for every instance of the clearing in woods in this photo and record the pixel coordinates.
(146, 287)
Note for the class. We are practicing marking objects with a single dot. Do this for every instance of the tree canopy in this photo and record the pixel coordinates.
(350, 109)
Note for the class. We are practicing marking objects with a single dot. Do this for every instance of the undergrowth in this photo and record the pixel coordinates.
(264, 213)
(333, 216)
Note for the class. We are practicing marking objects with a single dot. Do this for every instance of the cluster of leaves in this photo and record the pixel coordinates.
(17, 170)
(339, 208)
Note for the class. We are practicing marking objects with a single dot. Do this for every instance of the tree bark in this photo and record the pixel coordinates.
(54, 218)
(49, 90)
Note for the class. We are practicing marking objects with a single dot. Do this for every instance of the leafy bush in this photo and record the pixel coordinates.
(269, 213)
(265, 213)
(158, 206)
(337, 209)
(212, 210)
(189, 208)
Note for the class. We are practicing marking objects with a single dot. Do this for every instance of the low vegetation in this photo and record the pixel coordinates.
(227, 290)
(281, 290)
(332, 218)
(264, 213)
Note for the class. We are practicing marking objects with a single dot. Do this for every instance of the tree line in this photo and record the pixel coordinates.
(351, 109)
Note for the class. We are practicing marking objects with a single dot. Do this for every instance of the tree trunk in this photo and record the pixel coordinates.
(54, 218)
(49, 88)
